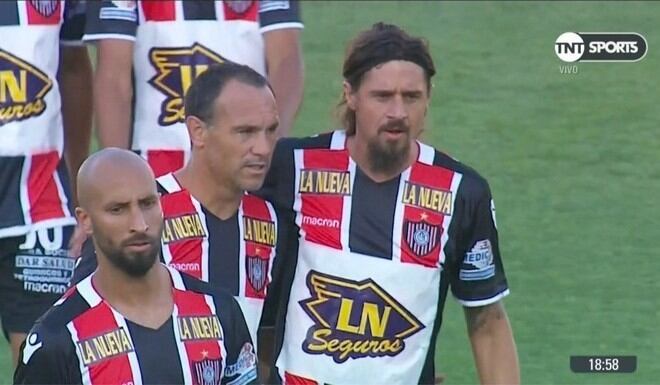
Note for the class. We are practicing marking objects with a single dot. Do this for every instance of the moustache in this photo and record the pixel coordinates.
(395, 125)
(139, 238)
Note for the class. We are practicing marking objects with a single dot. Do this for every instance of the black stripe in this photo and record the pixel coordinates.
(9, 13)
(11, 211)
(223, 252)
(199, 10)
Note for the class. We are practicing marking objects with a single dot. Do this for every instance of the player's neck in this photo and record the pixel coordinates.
(216, 197)
(359, 152)
(145, 300)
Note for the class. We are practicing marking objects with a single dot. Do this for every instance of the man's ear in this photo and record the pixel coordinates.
(84, 221)
(349, 95)
(196, 131)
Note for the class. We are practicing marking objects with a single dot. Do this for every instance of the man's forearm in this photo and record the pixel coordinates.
(75, 78)
(285, 74)
(113, 112)
(493, 345)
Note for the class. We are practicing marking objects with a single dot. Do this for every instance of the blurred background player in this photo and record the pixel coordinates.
(134, 320)
(214, 230)
(387, 225)
(149, 52)
(45, 126)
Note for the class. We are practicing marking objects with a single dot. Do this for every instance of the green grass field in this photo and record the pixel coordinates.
(572, 159)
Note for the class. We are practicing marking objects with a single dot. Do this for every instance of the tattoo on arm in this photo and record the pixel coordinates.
(477, 317)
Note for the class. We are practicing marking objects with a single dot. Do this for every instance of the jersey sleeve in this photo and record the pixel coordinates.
(476, 273)
(241, 362)
(275, 14)
(111, 20)
(73, 25)
(46, 357)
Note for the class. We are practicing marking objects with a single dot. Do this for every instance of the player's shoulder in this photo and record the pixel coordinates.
(54, 322)
(192, 284)
(472, 183)
(320, 141)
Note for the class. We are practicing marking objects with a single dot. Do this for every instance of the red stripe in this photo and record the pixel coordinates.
(324, 207)
(45, 202)
(437, 178)
(292, 379)
(46, 15)
(161, 10)
(190, 303)
(165, 161)
(255, 207)
(235, 13)
(94, 322)
(185, 252)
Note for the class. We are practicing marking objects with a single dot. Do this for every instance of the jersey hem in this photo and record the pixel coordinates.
(104, 36)
(274, 27)
(16, 231)
(483, 302)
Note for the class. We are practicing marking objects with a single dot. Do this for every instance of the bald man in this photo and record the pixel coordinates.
(134, 320)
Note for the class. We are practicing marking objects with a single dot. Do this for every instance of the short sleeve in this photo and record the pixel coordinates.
(274, 14)
(73, 25)
(241, 362)
(477, 274)
(111, 20)
(45, 358)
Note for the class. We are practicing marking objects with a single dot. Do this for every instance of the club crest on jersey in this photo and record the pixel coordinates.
(23, 88)
(176, 69)
(426, 197)
(259, 231)
(106, 345)
(207, 372)
(45, 8)
(246, 362)
(354, 319)
(196, 328)
(239, 6)
(325, 182)
(257, 272)
(421, 236)
(183, 227)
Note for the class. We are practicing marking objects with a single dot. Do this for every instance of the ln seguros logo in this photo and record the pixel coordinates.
(573, 47)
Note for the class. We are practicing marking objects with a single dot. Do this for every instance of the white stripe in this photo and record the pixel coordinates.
(132, 356)
(274, 27)
(273, 253)
(338, 140)
(299, 164)
(165, 252)
(241, 252)
(399, 208)
(483, 302)
(447, 219)
(60, 192)
(344, 233)
(84, 372)
(221, 343)
(104, 36)
(178, 10)
(181, 347)
(169, 183)
(177, 281)
(22, 12)
(87, 291)
(205, 240)
(25, 175)
(219, 10)
(426, 154)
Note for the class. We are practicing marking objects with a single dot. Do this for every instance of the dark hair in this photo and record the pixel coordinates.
(380, 44)
(209, 85)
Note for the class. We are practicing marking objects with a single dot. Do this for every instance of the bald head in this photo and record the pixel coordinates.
(110, 168)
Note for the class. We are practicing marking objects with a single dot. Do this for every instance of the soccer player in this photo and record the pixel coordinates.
(214, 230)
(134, 320)
(386, 225)
(166, 44)
(42, 137)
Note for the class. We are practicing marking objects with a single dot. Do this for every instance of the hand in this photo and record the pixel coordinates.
(75, 243)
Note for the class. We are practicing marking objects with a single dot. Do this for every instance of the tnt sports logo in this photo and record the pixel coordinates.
(354, 319)
(176, 69)
(571, 47)
(22, 89)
